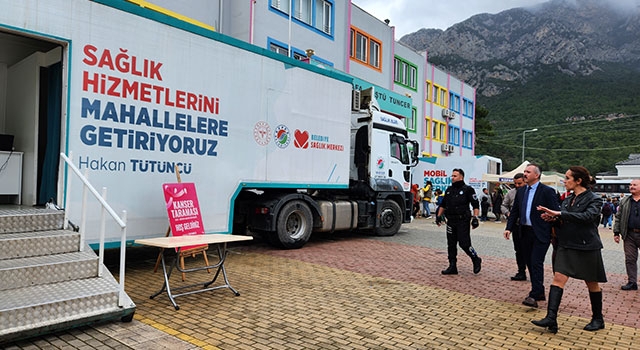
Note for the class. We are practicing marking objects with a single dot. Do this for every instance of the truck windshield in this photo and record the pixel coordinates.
(399, 149)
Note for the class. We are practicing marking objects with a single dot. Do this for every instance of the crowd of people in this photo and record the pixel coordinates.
(424, 198)
(538, 218)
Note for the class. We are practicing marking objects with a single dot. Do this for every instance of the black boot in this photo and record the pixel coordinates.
(477, 264)
(452, 269)
(520, 276)
(550, 322)
(597, 321)
(475, 259)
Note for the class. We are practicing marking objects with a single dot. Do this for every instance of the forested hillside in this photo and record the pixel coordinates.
(571, 69)
(587, 120)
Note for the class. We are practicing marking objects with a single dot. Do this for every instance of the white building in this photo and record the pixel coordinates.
(436, 106)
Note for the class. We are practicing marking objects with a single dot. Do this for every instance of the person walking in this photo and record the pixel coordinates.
(627, 225)
(535, 233)
(427, 191)
(455, 207)
(507, 204)
(607, 213)
(579, 247)
(484, 205)
(496, 202)
(615, 204)
(439, 196)
(415, 190)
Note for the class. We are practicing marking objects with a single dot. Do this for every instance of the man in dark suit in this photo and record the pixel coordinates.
(535, 233)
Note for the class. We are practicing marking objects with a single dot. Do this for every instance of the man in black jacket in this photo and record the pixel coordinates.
(627, 224)
(535, 233)
(455, 207)
(507, 204)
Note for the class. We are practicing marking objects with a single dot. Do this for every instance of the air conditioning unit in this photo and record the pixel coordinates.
(356, 98)
(448, 114)
(447, 148)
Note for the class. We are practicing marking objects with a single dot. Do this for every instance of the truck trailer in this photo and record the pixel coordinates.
(274, 145)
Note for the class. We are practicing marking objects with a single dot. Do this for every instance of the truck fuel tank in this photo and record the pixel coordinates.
(338, 215)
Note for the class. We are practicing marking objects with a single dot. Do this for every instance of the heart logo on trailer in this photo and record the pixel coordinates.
(301, 139)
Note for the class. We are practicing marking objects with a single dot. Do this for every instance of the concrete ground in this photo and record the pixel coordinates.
(350, 291)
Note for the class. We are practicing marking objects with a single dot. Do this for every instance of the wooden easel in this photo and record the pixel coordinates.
(183, 253)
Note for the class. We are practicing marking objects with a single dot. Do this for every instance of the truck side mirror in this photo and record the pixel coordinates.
(415, 151)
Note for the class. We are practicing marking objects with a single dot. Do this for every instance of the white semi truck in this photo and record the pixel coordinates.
(375, 197)
(273, 145)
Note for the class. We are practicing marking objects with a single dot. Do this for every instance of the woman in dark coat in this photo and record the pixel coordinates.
(497, 203)
(579, 247)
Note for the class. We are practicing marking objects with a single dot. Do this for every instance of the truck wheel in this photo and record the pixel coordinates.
(390, 219)
(294, 224)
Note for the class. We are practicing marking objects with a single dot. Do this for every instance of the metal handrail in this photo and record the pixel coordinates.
(105, 207)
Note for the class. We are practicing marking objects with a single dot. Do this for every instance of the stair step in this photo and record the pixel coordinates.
(18, 273)
(22, 219)
(42, 306)
(26, 244)
(46, 283)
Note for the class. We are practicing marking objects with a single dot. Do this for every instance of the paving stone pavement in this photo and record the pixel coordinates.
(356, 292)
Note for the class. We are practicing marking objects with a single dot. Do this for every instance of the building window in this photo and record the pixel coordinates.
(467, 139)
(281, 5)
(427, 91)
(361, 47)
(298, 54)
(454, 135)
(454, 102)
(439, 96)
(435, 93)
(467, 109)
(315, 14)
(443, 98)
(375, 54)
(405, 73)
(278, 49)
(438, 130)
(324, 10)
(303, 10)
(413, 77)
(366, 49)
(411, 122)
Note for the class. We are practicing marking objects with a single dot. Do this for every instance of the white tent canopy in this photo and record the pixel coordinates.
(554, 181)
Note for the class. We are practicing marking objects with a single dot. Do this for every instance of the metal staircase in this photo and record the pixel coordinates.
(47, 283)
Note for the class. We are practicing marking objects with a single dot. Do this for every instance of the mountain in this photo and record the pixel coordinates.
(570, 68)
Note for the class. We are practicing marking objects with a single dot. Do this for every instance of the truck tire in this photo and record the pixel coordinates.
(390, 219)
(294, 224)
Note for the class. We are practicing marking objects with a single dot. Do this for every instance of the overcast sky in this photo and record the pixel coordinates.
(409, 16)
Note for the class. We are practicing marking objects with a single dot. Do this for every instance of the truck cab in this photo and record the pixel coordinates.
(383, 156)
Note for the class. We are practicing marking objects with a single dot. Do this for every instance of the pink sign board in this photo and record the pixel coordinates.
(183, 209)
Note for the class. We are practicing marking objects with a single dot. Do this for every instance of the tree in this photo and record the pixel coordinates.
(484, 130)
